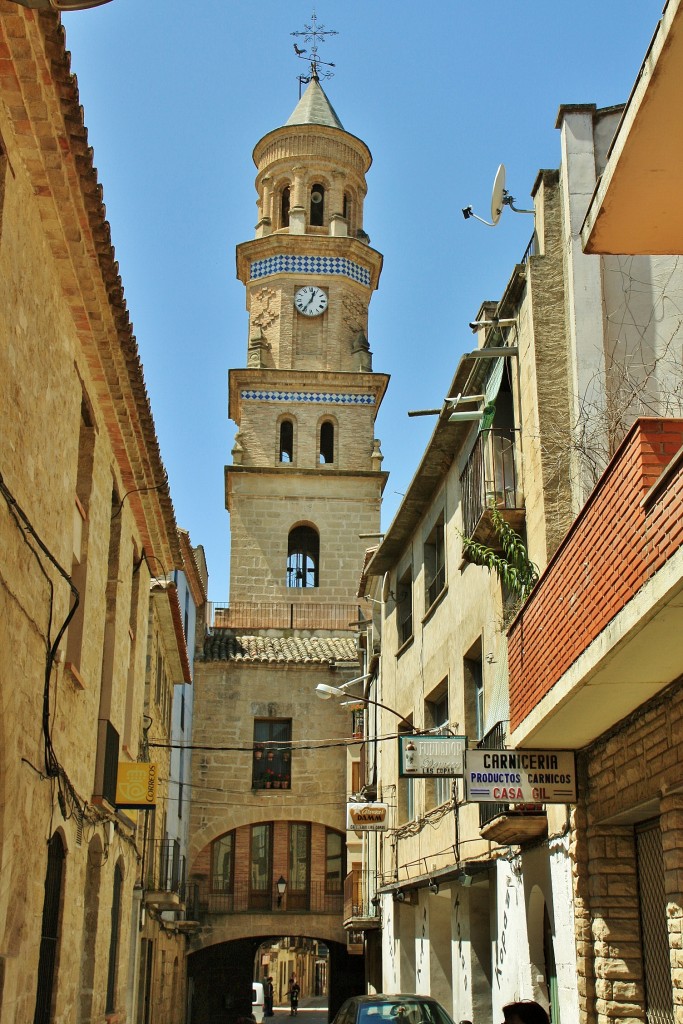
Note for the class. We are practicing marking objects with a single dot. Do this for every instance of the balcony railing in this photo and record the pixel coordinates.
(164, 877)
(490, 477)
(283, 615)
(242, 899)
(359, 889)
(493, 740)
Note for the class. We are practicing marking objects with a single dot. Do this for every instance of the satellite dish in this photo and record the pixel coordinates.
(500, 197)
(498, 194)
(386, 587)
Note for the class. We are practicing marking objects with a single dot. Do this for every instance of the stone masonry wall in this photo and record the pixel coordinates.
(637, 765)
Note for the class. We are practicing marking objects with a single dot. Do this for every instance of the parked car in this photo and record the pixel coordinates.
(257, 1001)
(392, 1009)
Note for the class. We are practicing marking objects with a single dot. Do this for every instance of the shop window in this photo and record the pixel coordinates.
(436, 720)
(298, 883)
(434, 563)
(326, 442)
(79, 564)
(112, 970)
(286, 445)
(50, 932)
(335, 855)
(406, 791)
(317, 206)
(404, 607)
(223, 863)
(260, 867)
(271, 762)
(303, 553)
(474, 693)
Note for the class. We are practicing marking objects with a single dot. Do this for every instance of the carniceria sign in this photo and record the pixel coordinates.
(520, 776)
(425, 757)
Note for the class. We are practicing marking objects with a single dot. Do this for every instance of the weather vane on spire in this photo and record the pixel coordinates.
(313, 33)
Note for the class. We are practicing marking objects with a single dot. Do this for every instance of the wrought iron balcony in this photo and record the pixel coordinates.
(509, 823)
(164, 877)
(241, 898)
(359, 890)
(490, 479)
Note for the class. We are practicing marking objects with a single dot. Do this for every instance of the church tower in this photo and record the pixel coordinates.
(306, 476)
(268, 850)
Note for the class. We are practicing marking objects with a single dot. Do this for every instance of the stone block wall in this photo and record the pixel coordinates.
(631, 775)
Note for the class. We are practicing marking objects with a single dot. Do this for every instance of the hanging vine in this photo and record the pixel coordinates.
(513, 567)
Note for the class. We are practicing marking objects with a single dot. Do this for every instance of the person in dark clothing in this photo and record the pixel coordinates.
(293, 996)
(267, 996)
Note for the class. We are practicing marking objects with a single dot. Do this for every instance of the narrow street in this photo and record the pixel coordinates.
(312, 1010)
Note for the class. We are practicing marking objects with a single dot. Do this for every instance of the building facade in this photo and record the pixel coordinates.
(270, 770)
(85, 521)
(611, 689)
(481, 903)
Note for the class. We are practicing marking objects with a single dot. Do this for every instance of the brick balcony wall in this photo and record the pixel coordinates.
(613, 548)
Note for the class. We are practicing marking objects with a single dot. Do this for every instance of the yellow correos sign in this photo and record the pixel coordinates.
(136, 785)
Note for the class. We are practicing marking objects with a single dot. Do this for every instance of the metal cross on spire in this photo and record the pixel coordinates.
(314, 34)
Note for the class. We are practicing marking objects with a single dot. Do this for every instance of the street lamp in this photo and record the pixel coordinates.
(325, 691)
(281, 887)
(60, 5)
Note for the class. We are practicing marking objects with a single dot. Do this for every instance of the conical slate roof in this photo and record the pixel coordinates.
(315, 108)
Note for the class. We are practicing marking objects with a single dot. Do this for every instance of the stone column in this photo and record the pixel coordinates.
(265, 207)
(585, 966)
(615, 919)
(671, 823)
(297, 209)
(338, 225)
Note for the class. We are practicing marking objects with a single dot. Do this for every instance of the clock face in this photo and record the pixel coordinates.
(310, 300)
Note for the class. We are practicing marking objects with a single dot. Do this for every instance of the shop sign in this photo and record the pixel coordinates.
(366, 817)
(520, 776)
(136, 785)
(428, 757)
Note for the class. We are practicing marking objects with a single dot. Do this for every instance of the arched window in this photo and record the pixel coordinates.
(286, 441)
(50, 930)
(284, 207)
(112, 970)
(346, 209)
(303, 553)
(223, 863)
(326, 442)
(318, 205)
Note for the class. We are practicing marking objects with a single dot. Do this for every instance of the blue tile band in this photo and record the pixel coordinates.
(316, 397)
(283, 264)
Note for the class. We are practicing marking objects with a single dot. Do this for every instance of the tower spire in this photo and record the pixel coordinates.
(313, 34)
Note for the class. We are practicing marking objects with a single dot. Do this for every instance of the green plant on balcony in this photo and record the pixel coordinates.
(515, 570)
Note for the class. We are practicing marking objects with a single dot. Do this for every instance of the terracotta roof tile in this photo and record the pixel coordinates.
(226, 645)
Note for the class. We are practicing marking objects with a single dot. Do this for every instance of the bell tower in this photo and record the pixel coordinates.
(306, 479)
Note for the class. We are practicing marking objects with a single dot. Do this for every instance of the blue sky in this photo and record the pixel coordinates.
(177, 93)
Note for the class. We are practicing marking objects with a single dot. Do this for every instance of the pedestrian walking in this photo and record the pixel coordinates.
(293, 996)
